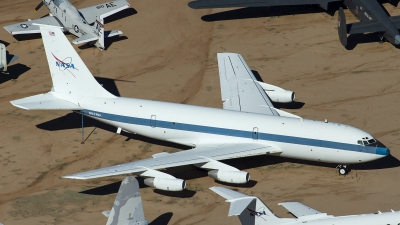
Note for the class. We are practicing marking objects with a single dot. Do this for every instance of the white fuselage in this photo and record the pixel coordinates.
(70, 17)
(198, 126)
(391, 218)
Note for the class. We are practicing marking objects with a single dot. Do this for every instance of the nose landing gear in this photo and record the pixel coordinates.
(342, 169)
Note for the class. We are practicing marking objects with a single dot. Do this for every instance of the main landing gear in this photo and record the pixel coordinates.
(342, 169)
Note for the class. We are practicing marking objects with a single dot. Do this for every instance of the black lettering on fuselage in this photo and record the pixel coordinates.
(110, 5)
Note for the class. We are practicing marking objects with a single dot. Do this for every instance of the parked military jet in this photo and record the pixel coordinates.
(248, 124)
(127, 208)
(87, 23)
(251, 210)
(371, 14)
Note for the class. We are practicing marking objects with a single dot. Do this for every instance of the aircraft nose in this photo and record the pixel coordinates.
(382, 152)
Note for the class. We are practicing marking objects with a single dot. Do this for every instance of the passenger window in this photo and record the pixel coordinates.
(365, 142)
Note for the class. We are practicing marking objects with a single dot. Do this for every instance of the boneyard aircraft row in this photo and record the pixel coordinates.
(371, 14)
(87, 23)
(248, 124)
(128, 210)
(251, 210)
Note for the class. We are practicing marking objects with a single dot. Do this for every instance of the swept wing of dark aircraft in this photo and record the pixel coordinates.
(373, 18)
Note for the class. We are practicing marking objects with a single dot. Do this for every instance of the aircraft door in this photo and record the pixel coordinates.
(255, 133)
(153, 121)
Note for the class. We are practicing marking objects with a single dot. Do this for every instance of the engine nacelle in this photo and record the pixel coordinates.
(281, 96)
(234, 177)
(166, 184)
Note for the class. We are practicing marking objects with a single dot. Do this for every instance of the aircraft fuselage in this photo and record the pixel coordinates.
(194, 125)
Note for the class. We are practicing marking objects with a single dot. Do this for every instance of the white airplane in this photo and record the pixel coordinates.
(248, 125)
(87, 23)
(127, 208)
(251, 210)
(5, 58)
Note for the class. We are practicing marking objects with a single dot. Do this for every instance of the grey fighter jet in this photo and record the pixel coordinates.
(370, 12)
(86, 23)
(128, 208)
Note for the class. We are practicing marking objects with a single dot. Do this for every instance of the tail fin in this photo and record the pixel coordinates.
(128, 208)
(68, 72)
(251, 210)
(71, 78)
(342, 27)
(99, 30)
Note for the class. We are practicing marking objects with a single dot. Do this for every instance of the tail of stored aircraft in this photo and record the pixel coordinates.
(101, 34)
(71, 78)
(128, 208)
(250, 210)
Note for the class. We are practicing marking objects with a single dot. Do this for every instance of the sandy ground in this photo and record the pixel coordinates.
(168, 52)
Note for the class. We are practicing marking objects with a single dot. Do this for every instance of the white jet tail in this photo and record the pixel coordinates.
(128, 208)
(71, 78)
(251, 210)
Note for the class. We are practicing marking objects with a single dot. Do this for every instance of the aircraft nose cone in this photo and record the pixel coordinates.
(382, 152)
(397, 39)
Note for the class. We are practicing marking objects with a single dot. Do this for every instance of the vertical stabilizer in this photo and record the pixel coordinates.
(68, 72)
(99, 30)
(3, 57)
(251, 210)
(128, 208)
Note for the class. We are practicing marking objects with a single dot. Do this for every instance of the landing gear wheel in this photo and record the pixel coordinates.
(343, 170)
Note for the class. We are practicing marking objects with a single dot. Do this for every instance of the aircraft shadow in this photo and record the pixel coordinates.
(354, 39)
(14, 71)
(258, 12)
(25, 37)
(162, 219)
(4, 43)
(120, 15)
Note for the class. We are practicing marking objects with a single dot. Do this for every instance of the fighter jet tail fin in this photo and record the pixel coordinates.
(251, 210)
(342, 27)
(128, 208)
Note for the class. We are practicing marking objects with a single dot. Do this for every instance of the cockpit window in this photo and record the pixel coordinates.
(366, 141)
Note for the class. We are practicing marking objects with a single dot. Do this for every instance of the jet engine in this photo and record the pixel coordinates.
(281, 96)
(234, 177)
(166, 184)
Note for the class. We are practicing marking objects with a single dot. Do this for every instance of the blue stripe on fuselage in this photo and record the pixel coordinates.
(237, 133)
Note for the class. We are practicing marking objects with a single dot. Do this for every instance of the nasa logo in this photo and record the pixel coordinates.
(259, 213)
(65, 64)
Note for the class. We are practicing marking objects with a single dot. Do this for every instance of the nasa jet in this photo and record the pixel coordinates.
(251, 210)
(248, 124)
(371, 14)
(127, 208)
(86, 23)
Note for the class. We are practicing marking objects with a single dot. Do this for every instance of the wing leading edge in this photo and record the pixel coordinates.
(206, 4)
(189, 157)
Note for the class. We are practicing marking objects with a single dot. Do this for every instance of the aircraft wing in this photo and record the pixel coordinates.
(27, 27)
(298, 209)
(188, 157)
(104, 10)
(205, 4)
(239, 201)
(240, 90)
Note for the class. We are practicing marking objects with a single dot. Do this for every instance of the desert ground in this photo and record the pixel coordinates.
(168, 53)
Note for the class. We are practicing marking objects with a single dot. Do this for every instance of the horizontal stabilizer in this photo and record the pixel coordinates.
(44, 102)
(298, 209)
(239, 201)
(112, 33)
(106, 213)
(85, 38)
(369, 26)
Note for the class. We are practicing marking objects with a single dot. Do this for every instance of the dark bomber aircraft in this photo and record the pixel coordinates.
(371, 14)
